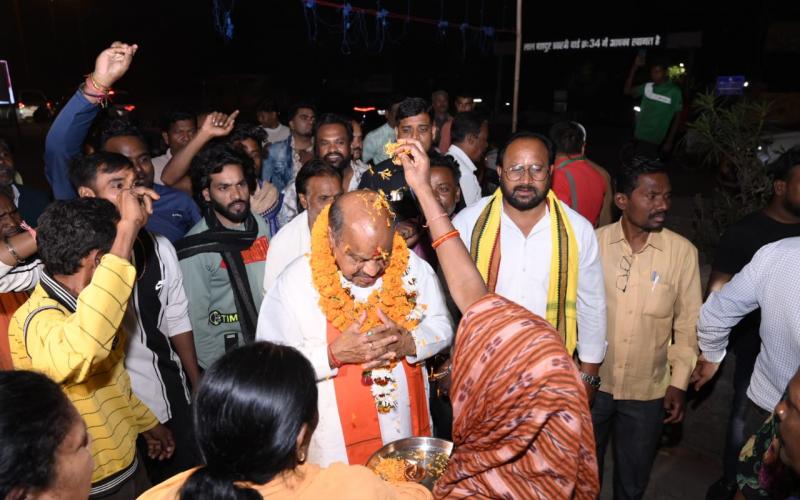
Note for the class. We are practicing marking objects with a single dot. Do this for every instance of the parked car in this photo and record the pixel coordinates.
(33, 105)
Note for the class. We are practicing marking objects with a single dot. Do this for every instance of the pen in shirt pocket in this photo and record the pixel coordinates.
(654, 277)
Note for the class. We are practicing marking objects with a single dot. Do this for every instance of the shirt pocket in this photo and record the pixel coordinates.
(659, 300)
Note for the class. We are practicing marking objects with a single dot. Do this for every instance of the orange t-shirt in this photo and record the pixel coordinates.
(310, 482)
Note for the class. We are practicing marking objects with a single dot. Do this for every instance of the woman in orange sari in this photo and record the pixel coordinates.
(522, 427)
(255, 410)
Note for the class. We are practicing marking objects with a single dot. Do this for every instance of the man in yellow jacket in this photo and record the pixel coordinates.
(69, 329)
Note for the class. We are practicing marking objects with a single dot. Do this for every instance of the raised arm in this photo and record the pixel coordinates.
(176, 171)
(66, 135)
(463, 279)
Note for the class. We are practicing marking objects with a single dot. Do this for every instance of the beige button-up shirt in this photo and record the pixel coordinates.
(653, 300)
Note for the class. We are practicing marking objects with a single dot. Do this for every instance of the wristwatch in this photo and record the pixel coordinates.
(592, 380)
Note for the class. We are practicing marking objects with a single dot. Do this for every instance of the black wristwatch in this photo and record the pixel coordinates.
(592, 380)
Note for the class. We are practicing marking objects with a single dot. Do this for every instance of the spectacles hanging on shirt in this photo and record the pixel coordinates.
(622, 279)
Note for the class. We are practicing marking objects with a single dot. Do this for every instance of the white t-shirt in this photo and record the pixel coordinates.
(277, 134)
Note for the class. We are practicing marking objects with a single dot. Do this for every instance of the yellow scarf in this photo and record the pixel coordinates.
(562, 293)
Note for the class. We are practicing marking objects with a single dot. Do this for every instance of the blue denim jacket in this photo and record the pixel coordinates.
(278, 166)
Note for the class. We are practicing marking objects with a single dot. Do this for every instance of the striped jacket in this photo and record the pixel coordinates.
(80, 345)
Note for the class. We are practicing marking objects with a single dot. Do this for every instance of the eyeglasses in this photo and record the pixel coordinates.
(622, 279)
(537, 172)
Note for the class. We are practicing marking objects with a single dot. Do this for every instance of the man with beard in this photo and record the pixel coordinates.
(332, 137)
(780, 219)
(223, 256)
(174, 212)
(550, 263)
(30, 202)
(352, 176)
(653, 296)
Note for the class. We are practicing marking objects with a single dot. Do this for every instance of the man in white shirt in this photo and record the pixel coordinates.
(526, 223)
(178, 129)
(769, 281)
(317, 184)
(470, 139)
(336, 314)
(267, 116)
(352, 176)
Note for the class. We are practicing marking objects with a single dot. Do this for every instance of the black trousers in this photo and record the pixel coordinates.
(636, 429)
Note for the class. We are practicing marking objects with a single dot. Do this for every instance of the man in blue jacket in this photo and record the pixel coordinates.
(175, 212)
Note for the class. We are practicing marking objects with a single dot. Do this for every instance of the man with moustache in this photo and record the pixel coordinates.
(222, 257)
(178, 128)
(653, 296)
(352, 176)
(536, 251)
(333, 134)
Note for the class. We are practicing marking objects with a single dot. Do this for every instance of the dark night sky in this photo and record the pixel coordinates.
(183, 59)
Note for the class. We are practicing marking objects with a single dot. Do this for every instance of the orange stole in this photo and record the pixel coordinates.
(357, 411)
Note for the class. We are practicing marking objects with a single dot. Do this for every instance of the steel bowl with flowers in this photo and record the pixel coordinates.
(417, 459)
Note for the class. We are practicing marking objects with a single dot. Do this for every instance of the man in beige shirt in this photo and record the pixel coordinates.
(653, 299)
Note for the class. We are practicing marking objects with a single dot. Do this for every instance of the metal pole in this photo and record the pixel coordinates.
(517, 61)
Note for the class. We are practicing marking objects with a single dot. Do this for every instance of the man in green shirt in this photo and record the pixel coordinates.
(222, 257)
(656, 123)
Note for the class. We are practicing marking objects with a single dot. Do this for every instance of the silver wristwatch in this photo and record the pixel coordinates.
(592, 380)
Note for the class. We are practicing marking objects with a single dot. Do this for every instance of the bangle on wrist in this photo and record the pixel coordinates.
(444, 238)
(429, 222)
(335, 363)
(99, 86)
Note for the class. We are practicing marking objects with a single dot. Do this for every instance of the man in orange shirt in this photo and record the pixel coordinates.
(577, 181)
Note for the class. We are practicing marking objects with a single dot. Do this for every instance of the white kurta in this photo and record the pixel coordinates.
(290, 315)
(524, 274)
(292, 241)
(470, 187)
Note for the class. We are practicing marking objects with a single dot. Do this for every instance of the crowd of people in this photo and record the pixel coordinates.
(257, 311)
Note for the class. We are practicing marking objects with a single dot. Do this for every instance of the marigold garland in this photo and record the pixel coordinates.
(336, 301)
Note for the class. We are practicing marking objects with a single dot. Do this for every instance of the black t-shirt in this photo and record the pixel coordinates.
(743, 239)
(736, 249)
(389, 178)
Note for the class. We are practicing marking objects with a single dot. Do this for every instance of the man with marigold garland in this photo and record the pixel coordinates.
(366, 312)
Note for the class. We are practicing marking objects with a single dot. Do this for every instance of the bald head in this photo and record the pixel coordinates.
(361, 231)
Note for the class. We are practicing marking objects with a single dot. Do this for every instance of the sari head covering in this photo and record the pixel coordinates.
(522, 426)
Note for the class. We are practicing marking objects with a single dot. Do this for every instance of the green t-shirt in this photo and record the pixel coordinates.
(659, 104)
